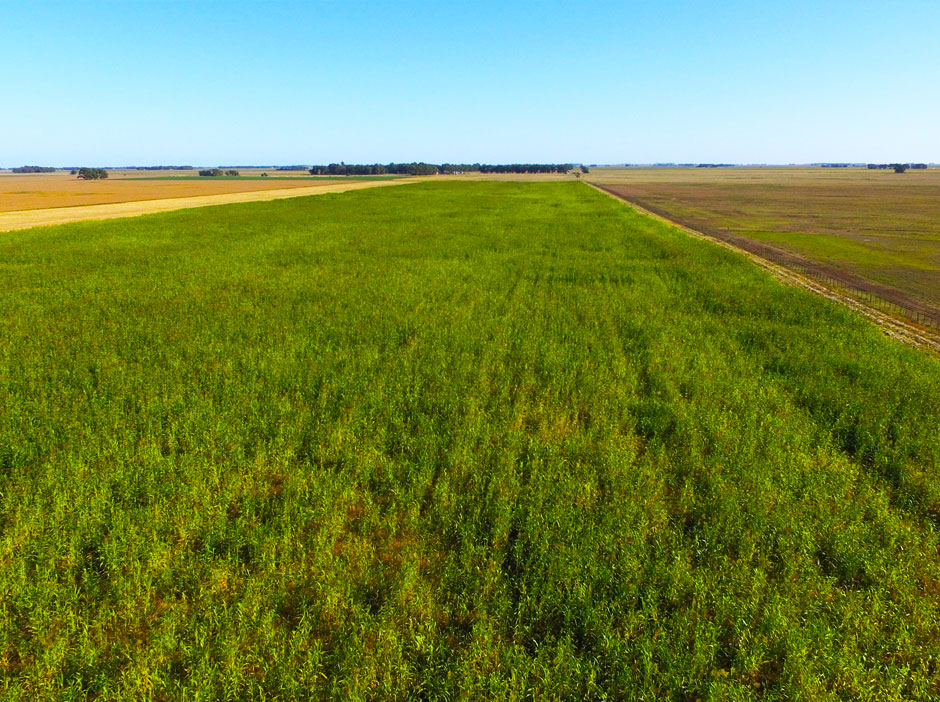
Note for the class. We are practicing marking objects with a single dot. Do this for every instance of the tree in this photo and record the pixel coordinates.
(92, 173)
(585, 169)
(231, 172)
(899, 167)
(421, 168)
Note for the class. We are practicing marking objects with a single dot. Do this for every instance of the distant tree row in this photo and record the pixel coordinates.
(375, 169)
(164, 168)
(291, 168)
(506, 168)
(898, 167)
(34, 169)
(92, 173)
(432, 169)
(214, 172)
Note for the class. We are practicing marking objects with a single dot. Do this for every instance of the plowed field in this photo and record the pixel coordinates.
(876, 230)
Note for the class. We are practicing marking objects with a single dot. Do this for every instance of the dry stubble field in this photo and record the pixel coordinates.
(35, 191)
(46, 190)
(131, 197)
(880, 226)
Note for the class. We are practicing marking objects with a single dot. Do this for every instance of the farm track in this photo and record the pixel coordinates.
(894, 327)
(24, 219)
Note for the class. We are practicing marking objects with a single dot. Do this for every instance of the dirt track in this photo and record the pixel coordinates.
(896, 328)
(60, 215)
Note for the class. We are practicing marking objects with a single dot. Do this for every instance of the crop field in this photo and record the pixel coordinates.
(277, 178)
(47, 190)
(452, 440)
(27, 219)
(860, 225)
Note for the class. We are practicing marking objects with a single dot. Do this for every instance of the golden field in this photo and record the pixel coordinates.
(47, 190)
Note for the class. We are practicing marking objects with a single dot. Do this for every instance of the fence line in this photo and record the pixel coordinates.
(913, 314)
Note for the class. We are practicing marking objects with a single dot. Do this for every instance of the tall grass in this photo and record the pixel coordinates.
(452, 440)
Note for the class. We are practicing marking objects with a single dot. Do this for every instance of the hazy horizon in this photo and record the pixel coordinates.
(657, 164)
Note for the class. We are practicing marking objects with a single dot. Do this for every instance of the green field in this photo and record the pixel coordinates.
(453, 440)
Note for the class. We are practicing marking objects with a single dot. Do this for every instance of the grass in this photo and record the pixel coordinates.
(452, 440)
(876, 224)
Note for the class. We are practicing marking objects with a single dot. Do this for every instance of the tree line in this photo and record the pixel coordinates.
(375, 169)
(898, 167)
(506, 168)
(421, 168)
(214, 172)
(34, 169)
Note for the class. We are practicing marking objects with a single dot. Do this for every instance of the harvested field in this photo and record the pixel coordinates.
(50, 190)
(874, 230)
(62, 215)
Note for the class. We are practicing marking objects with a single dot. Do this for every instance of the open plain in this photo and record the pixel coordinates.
(34, 191)
(848, 223)
(432, 407)
(452, 440)
(130, 200)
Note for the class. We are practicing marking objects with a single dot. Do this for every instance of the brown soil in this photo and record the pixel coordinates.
(789, 259)
(781, 265)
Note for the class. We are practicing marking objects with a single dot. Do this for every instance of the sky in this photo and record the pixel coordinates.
(266, 83)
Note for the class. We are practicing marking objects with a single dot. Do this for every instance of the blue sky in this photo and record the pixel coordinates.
(211, 83)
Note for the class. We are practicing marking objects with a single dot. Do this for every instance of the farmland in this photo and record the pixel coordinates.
(277, 178)
(453, 439)
(25, 219)
(49, 190)
(874, 226)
